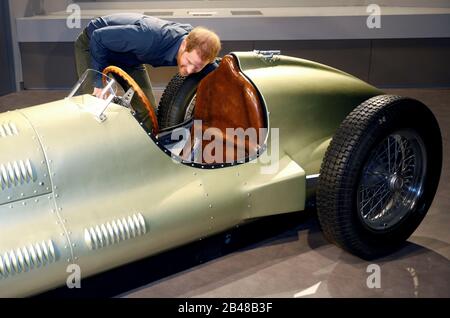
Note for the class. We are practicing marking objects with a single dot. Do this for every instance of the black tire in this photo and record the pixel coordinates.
(178, 95)
(355, 158)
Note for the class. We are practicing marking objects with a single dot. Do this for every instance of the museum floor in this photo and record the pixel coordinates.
(285, 256)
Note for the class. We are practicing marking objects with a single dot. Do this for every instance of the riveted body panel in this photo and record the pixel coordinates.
(115, 196)
(120, 197)
(23, 167)
(34, 251)
(307, 101)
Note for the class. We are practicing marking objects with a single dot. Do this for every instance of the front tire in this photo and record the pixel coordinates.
(379, 175)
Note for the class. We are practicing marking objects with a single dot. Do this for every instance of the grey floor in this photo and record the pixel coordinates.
(287, 257)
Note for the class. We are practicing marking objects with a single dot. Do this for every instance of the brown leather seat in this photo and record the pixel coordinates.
(227, 99)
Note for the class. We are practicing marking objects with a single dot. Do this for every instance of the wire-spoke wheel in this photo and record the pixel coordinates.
(392, 180)
(379, 175)
(190, 108)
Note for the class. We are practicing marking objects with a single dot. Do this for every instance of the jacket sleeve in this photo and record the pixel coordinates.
(119, 39)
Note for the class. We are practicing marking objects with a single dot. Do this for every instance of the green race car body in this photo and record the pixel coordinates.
(100, 194)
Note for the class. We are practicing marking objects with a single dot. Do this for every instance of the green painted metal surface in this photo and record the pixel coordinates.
(307, 101)
(110, 195)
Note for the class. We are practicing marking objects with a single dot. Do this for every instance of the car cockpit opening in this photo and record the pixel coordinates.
(225, 121)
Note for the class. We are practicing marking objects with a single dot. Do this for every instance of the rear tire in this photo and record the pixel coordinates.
(379, 175)
(178, 96)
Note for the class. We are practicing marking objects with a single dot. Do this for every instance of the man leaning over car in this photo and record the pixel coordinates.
(131, 40)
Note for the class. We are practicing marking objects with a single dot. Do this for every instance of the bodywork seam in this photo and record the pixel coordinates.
(55, 204)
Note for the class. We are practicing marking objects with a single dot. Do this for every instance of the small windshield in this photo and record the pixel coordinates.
(85, 84)
(82, 93)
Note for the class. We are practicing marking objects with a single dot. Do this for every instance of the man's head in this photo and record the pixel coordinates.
(198, 49)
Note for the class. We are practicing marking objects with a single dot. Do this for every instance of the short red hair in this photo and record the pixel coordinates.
(205, 41)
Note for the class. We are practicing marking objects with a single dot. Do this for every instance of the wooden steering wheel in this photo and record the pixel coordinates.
(130, 81)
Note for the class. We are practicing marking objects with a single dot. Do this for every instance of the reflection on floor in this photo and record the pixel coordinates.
(286, 256)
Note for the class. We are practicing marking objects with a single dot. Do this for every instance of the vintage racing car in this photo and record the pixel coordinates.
(255, 134)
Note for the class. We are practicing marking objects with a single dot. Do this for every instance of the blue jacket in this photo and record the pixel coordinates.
(131, 39)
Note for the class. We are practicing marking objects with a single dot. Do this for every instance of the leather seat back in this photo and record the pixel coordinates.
(227, 99)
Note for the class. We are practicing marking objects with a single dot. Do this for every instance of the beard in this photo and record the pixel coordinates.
(181, 67)
(182, 71)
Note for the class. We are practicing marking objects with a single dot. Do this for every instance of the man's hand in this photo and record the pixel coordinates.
(98, 93)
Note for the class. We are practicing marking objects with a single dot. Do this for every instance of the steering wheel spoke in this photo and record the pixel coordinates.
(136, 90)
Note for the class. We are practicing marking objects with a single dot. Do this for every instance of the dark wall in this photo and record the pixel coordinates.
(48, 65)
(383, 63)
(7, 78)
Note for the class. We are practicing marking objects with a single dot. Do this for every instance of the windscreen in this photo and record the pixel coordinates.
(95, 102)
(87, 82)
